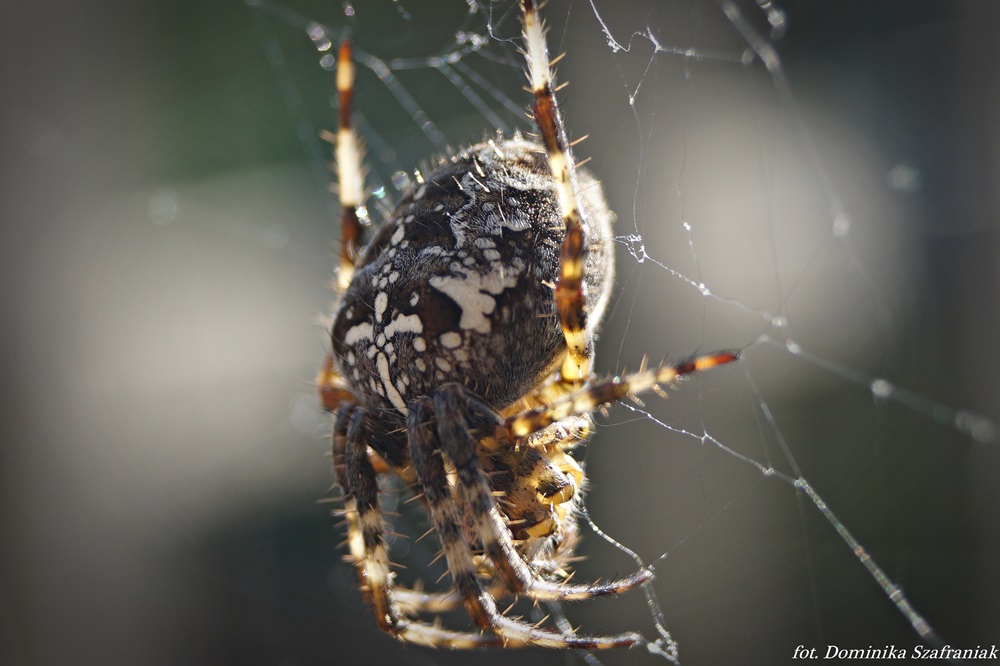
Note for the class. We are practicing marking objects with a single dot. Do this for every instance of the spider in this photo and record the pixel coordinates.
(462, 361)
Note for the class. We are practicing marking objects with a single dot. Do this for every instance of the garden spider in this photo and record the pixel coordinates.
(463, 346)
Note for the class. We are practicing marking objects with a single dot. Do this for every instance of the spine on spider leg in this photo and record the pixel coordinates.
(569, 296)
(611, 390)
(350, 174)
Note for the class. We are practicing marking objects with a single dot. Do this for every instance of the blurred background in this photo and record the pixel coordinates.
(167, 233)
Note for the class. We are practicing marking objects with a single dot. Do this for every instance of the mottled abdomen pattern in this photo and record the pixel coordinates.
(458, 285)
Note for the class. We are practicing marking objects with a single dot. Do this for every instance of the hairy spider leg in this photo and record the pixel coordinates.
(366, 533)
(447, 517)
(602, 393)
(355, 545)
(569, 292)
(364, 489)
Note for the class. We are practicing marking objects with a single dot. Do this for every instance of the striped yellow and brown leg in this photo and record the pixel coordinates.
(603, 393)
(570, 294)
(350, 171)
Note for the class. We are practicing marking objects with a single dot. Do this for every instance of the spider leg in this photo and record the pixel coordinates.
(350, 187)
(367, 535)
(569, 293)
(355, 543)
(601, 393)
(412, 601)
(451, 404)
(447, 517)
(350, 173)
(363, 485)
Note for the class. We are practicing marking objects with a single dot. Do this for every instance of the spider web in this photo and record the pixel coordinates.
(778, 190)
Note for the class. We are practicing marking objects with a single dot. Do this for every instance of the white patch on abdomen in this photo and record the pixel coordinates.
(404, 324)
(382, 363)
(358, 333)
(475, 294)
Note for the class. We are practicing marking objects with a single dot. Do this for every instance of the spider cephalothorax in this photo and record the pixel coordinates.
(462, 360)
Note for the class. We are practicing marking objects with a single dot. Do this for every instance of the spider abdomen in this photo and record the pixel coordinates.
(458, 285)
